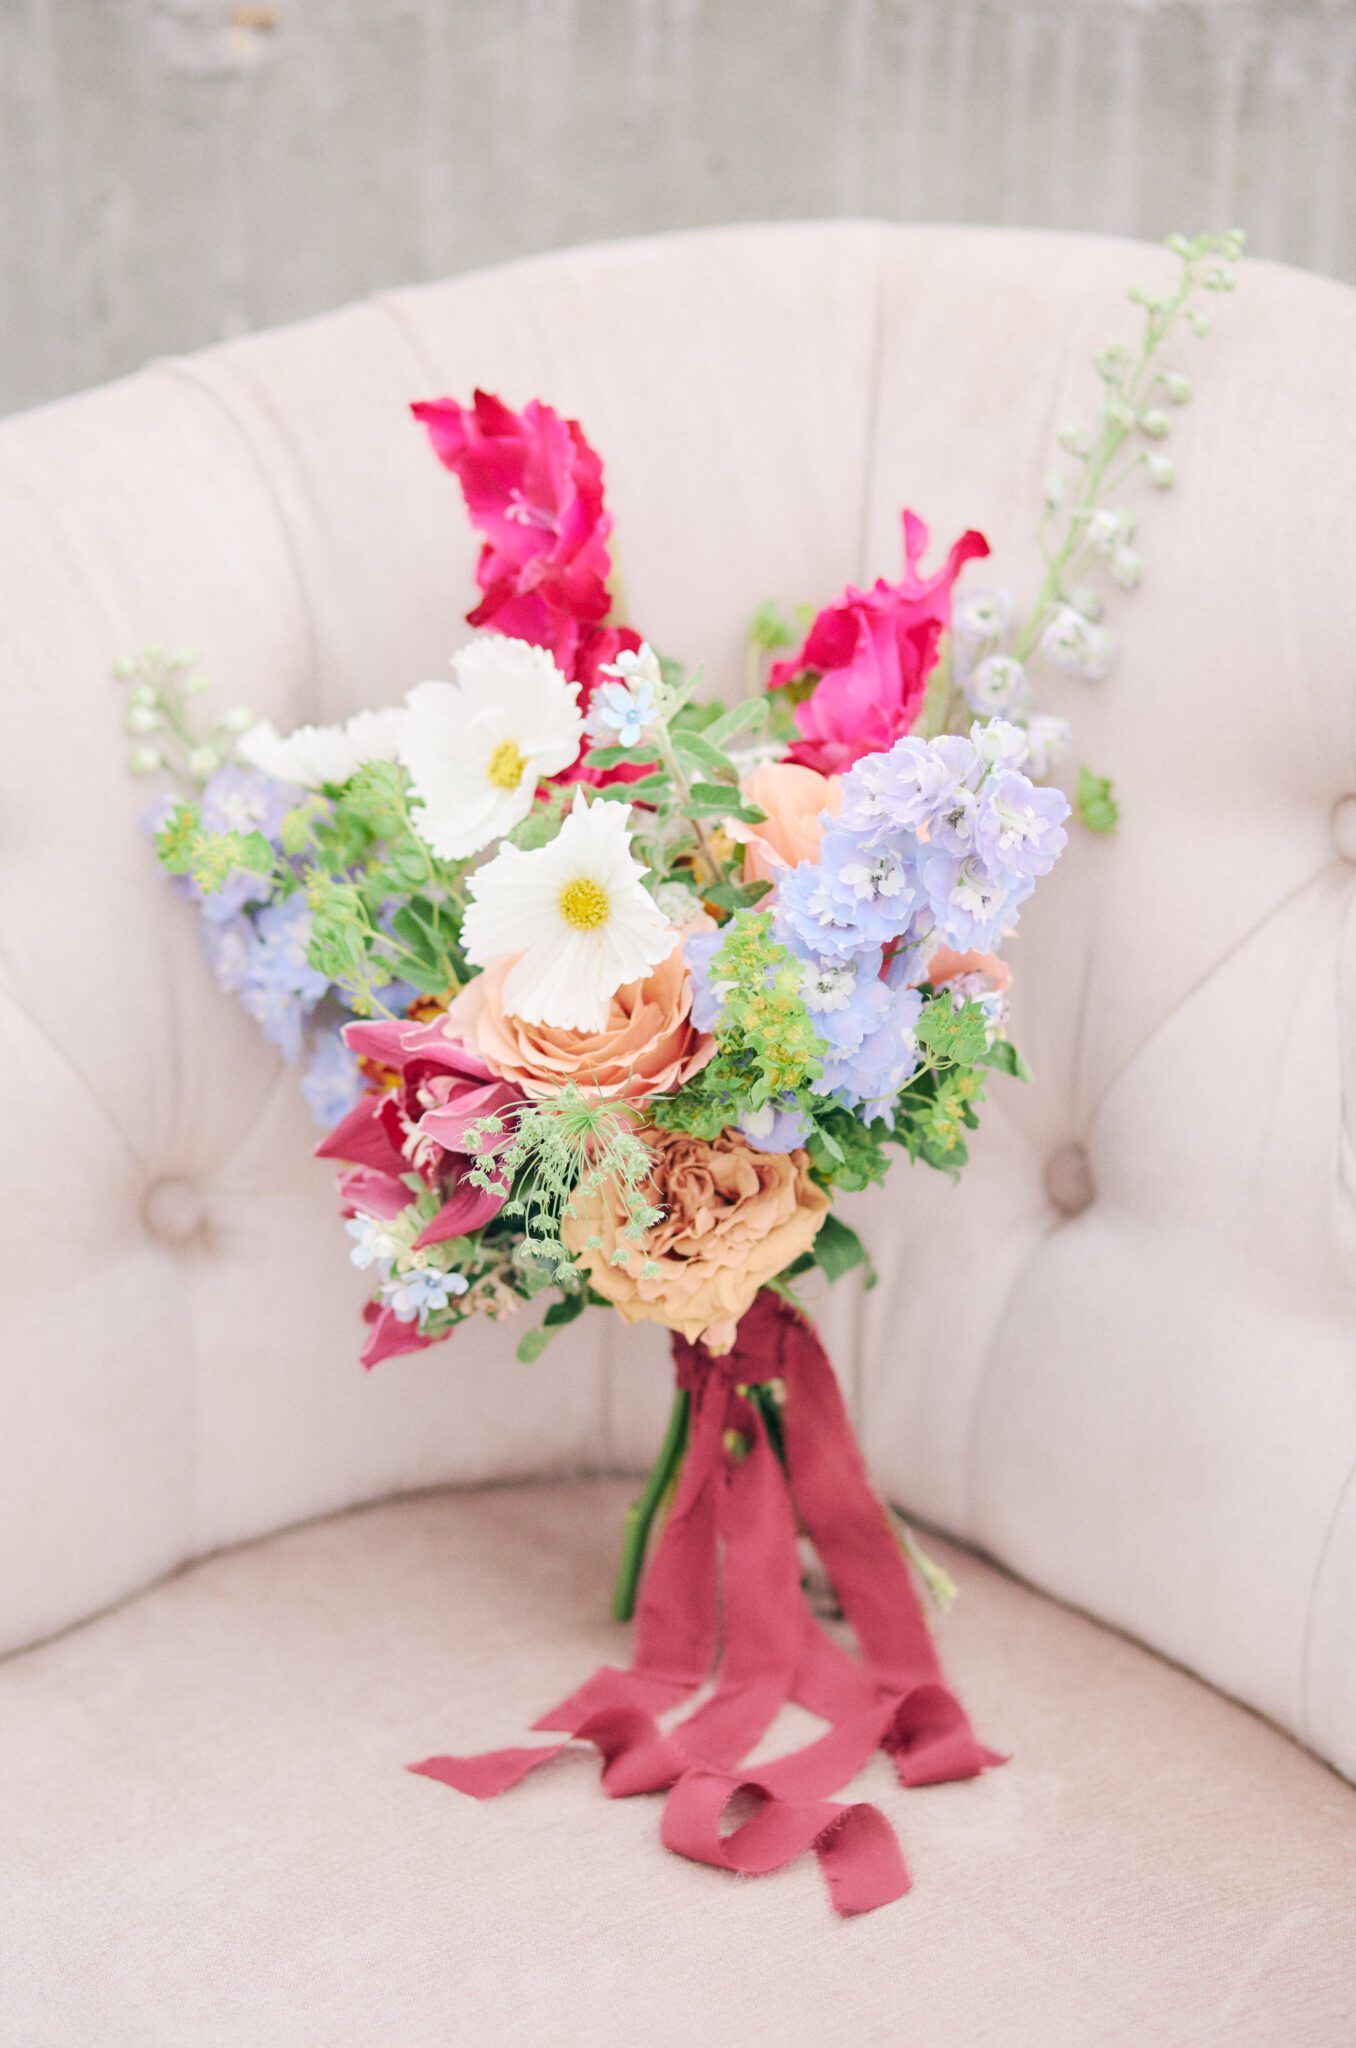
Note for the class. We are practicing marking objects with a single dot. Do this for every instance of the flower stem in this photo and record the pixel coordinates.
(641, 1513)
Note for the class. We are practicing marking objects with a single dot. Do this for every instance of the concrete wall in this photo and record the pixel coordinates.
(172, 171)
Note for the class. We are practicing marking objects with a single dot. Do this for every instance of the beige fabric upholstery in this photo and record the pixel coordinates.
(1147, 1404)
(209, 1841)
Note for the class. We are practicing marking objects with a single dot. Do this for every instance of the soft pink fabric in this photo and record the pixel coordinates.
(772, 1650)
(872, 652)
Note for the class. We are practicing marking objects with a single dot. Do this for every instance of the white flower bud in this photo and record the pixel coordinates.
(1109, 362)
(1161, 472)
(141, 719)
(1198, 322)
(141, 693)
(239, 720)
(1177, 386)
(1056, 491)
(1120, 414)
(143, 760)
(1107, 529)
(1086, 602)
(1154, 423)
(1048, 740)
(196, 686)
(1077, 440)
(202, 762)
(1127, 566)
(998, 684)
(1084, 648)
(978, 615)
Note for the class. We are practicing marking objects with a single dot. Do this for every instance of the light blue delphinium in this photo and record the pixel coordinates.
(912, 788)
(846, 999)
(868, 1077)
(333, 1080)
(813, 919)
(280, 987)
(971, 905)
(707, 1002)
(779, 1126)
(1019, 830)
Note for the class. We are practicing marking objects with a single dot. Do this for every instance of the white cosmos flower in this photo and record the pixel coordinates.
(315, 754)
(576, 912)
(476, 748)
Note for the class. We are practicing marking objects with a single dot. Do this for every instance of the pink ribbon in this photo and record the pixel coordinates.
(771, 1649)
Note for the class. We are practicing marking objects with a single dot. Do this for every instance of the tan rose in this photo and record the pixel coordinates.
(734, 1217)
(793, 798)
(649, 1045)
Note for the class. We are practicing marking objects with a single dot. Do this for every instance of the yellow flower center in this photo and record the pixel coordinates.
(584, 904)
(506, 765)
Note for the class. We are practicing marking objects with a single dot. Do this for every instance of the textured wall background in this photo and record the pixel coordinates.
(174, 171)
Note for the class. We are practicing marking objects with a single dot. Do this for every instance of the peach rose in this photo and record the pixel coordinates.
(649, 1045)
(734, 1218)
(945, 966)
(793, 799)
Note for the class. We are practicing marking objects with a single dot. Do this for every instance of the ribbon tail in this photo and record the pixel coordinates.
(929, 1734)
(856, 1847)
(485, 1776)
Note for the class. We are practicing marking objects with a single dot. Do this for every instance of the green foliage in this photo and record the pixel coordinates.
(837, 1249)
(766, 1043)
(770, 629)
(209, 859)
(948, 1036)
(1097, 808)
(534, 1342)
(551, 1155)
(844, 1151)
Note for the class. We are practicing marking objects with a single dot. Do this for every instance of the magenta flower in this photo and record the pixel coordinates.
(534, 488)
(871, 655)
(421, 1126)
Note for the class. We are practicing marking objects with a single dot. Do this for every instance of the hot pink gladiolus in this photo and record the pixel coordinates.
(872, 653)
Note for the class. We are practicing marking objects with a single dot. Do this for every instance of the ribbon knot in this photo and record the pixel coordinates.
(755, 1630)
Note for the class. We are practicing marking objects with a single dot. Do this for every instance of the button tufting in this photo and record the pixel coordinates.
(1344, 827)
(173, 1210)
(1068, 1180)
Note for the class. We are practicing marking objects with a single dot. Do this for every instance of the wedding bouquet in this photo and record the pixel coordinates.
(607, 989)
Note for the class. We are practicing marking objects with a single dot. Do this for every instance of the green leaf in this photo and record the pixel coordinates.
(614, 757)
(770, 629)
(956, 1036)
(716, 800)
(1097, 808)
(430, 976)
(256, 854)
(1004, 1055)
(177, 837)
(646, 790)
(736, 895)
(566, 1310)
(837, 1249)
(531, 1345)
(696, 751)
(752, 714)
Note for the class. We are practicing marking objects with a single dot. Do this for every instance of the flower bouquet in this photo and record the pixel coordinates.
(606, 991)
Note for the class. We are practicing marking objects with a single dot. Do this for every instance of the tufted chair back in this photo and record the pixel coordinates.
(1121, 1356)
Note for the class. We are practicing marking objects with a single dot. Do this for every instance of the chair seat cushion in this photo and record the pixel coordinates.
(208, 1837)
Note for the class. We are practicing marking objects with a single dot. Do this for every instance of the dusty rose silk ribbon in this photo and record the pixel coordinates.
(771, 1649)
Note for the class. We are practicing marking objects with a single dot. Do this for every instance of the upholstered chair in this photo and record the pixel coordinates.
(242, 1584)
